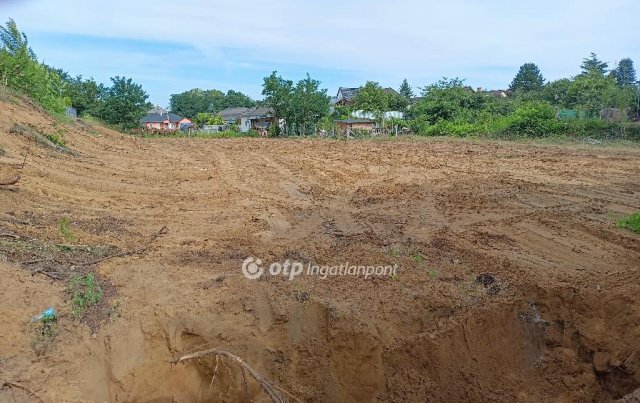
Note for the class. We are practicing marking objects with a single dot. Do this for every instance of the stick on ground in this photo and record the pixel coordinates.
(277, 394)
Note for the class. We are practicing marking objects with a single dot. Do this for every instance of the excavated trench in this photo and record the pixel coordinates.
(554, 345)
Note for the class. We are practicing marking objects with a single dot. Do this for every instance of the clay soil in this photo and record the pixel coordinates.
(514, 283)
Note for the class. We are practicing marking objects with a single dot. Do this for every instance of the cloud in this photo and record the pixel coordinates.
(373, 39)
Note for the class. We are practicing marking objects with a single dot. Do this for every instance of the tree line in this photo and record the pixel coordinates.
(446, 107)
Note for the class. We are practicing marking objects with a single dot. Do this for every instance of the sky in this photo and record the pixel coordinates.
(173, 46)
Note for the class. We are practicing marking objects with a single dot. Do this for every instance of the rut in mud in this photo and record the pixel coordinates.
(513, 283)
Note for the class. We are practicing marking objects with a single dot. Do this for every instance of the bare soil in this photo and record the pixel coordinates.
(524, 288)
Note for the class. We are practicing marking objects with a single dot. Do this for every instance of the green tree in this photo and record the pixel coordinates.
(528, 79)
(592, 92)
(278, 94)
(405, 90)
(125, 102)
(206, 118)
(372, 98)
(85, 95)
(234, 99)
(309, 104)
(196, 100)
(21, 70)
(625, 73)
(558, 93)
(593, 65)
(448, 100)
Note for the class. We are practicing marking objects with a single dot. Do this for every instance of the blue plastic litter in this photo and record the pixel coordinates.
(46, 315)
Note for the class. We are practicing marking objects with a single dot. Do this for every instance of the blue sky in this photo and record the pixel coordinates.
(170, 47)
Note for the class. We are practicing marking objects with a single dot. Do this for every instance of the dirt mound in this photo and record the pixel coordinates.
(513, 282)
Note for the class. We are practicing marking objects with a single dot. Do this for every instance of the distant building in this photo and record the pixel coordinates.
(259, 119)
(345, 96)
(160, 119)
(347, 125)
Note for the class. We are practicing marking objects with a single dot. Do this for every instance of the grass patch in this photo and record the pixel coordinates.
(85, 293)
(53, 141)
(57, 139)
(632, 223)
(65, 229)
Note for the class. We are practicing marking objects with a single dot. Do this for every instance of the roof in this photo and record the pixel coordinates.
(352, 121)
(233, 113)
(258, 112)
(157, 118)
(346, 94)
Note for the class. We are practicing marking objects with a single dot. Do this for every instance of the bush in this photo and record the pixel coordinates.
(601, 129)
(532, 119)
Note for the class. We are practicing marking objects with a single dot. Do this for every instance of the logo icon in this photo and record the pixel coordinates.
(251, 268)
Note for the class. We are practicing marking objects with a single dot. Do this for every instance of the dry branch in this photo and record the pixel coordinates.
(18, 386)
(136, 251)
(277, 394)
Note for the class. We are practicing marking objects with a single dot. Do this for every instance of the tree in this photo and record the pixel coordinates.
(528, 79)
(196, 100)
(557, 93)
(234, 99)
(405, 90)
(625, 73)
(85, 95)
(278, 94)
(125, 103)
(593, 92)
(593, 65)
(372, 98)
(205, 118)
(449, 100)
(21, 70)
(309, 105)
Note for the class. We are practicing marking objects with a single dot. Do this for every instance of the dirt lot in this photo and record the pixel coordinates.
(514, 283)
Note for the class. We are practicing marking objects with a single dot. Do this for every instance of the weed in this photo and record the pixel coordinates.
(394, 251)
(57, 139)
(418, 258)
(632, 222)
(433, 273)
(85, 293)
(395, 277)
(45, 334)
(65, 230)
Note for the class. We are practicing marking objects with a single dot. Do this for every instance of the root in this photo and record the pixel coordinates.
(136, 251)
(18, 386)
(277, 394)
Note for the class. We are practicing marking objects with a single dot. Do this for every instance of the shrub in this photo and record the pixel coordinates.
(533, 119)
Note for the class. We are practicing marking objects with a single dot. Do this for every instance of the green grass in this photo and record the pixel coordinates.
(632, 222)
(66, 232)
(85, 293)
(57, 139)
(418, 258)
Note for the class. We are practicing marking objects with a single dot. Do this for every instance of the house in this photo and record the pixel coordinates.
(345, 96)
(496, 93)
(160, 119)
(232, 115)
(259, 119)
(347, 125)
(249, 118)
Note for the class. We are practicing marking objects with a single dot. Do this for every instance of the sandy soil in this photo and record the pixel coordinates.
(514, 283)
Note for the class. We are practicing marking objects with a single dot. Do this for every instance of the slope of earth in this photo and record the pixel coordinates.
(513, 282)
